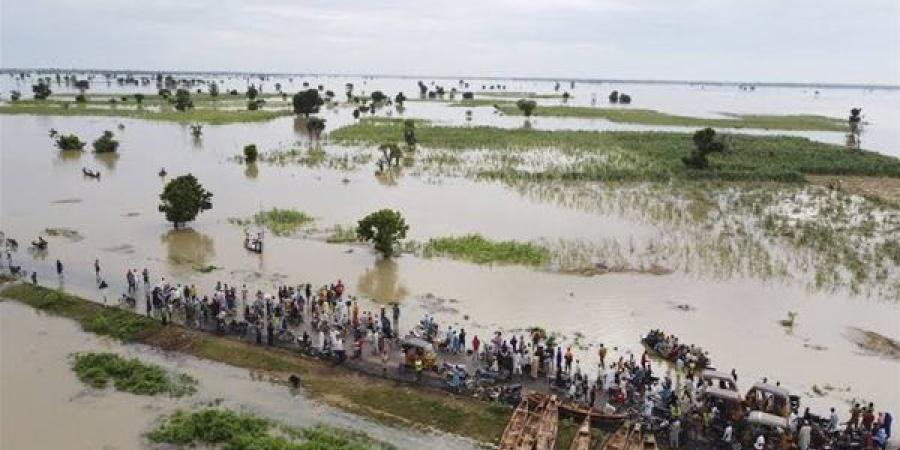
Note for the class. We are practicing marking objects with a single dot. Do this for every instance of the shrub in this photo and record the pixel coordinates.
(704, 143)
(183, 100)
(15, 95)
(41, 90)
(69, 142)
(250, 153)
(106, 143)
(526, 106)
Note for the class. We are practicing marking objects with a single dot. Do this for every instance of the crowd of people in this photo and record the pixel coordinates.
(326, 321)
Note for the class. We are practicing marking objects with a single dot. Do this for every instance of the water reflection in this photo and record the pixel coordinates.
(527, 124)
(389, 176)
(69, 155)
(251, 171)
(382, 283)
(108, 159)
(187, 248)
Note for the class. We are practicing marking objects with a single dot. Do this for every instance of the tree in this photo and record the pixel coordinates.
(423, 89)
(526, 106)
(15, 95)
(250, 153)
(378, 97)
(624, 99)
(183, 198)
(409, 132)
(315, 126)
(349, 87)
(69, 142)
(252, 92)
(278, 87)
(41, 90)
(165, 93)
(705, 142)
(183, 100)
(254, 105)
(139, 98)
(384, 228)
(468, 95)
(391, 153)
(614, 97)
(307, 102)
(565, 96)
(356, 113)
(213, 89)
(399, 99)
(106, 143)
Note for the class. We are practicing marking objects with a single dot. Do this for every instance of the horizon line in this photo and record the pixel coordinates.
(851, 85)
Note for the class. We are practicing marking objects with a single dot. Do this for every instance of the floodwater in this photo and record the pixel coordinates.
(735, 319)
(43, 405)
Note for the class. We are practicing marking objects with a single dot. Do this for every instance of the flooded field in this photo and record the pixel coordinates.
(39, 388)
(733, 311)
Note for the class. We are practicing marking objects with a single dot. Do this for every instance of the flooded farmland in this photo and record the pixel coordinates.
(734, 312)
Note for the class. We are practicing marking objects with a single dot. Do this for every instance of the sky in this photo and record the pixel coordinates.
(830, 41)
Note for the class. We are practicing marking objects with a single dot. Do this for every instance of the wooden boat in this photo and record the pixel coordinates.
(533, 424)
(650, 442)
(635, 439)
(619, 439)
(582, 440)
(568, 408)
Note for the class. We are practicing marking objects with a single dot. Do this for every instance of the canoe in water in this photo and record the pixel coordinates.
(582, 440)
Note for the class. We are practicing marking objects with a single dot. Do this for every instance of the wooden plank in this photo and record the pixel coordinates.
(582, 440)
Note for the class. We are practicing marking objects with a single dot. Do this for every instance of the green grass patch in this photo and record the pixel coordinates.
(228, 430)
(475, 248)
(93, 317)
(281, 222)
(342, 234)
(796, 122)
(130, 375)
(194, 115)
(637, 156)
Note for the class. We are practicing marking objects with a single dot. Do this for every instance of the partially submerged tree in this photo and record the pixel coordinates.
(139, 98)
(69, 142)
(399, 99)
(252, 92)
(213, 89)
(183, 199)
(423, 89)
(409, 132)
(384, 228)
(15, 95)
(705, 142)
(250, 153)
(315, 126)
(526, 106)
(165, 93)
(41, 90)
(307, 102)
(378, 97)
(391, 153)
(106, 143)
(349, 87)
(614, 97)
(183, 100)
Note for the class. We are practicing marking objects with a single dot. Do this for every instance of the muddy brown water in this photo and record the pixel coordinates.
(736, 320)
(43, 405)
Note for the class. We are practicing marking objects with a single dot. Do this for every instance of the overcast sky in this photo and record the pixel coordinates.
(761, 40)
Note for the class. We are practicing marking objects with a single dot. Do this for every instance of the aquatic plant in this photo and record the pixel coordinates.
(385, 228)
(222, 428)
(105, 143)
(183, 198)
(130, 375)
(282, 222)
(342, 234)
(480, 250)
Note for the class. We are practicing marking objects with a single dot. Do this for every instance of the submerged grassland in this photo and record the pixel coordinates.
(130, 375)
(379, 399)
(625, 156)
(281, 222)
(476, 248)
(199, 114)
(222, 428)
(796, 122)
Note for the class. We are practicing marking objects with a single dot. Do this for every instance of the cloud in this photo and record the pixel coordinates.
(767, 40)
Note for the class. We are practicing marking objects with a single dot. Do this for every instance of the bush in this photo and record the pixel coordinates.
(139, 98)
(250, 153)
(41, 90)
(183, 100)
(106, 143)
(526, 106)
(165, 93)
(15, 96)
(252, 92)
(213, 89)
(69, 142)
(80, 98)
(705, 142)
(468, 96)
(307, 102)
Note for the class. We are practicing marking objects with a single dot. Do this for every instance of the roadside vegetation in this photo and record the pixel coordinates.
(130, 375)
(630, 156)
(222, 428)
